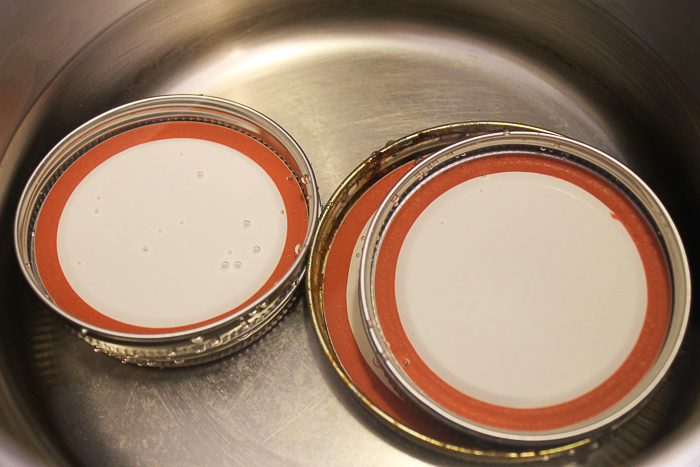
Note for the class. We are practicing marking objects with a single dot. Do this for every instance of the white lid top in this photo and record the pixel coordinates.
(540, 292)
(168, 227)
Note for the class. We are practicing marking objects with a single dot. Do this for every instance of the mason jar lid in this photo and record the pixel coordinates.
(523, 287)
(333, 273)
(170, 230)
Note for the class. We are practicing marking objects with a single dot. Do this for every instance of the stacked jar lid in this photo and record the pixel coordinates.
(169, 231)
(497, 290)
(486, 289)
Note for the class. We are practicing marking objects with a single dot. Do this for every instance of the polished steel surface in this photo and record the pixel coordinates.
(342, 78)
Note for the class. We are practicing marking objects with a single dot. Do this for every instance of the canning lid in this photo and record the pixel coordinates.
(332, 290)
(171, 230)
(523, 287)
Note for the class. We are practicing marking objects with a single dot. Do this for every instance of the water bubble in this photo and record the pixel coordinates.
(297, 248)
(178, 362)
(506, 132)
(483, 175)
(357, 255)
(225, 266)
(200, 349)
(229, 252)
(256, 250)
(97, 211)
(572, 452)
(405, 362)
(290, 178)
(282, 212)
(200, 174)
(197, 340)
(237, 265)
(362, 237)
(303, 179)
(144, 249)
(545, 457)
(246, 224)
(83, 331)
(172, 354)
(151, 363)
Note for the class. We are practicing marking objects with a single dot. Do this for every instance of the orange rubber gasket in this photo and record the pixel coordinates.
(45, 241)
(541, 419)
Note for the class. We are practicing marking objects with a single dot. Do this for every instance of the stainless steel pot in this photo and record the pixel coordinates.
(342, 77)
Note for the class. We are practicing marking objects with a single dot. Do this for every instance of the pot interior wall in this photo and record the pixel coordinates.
(342, 78)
